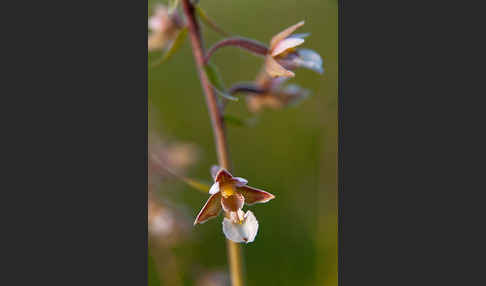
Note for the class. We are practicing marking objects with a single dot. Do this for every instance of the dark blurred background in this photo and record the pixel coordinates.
(291, 153)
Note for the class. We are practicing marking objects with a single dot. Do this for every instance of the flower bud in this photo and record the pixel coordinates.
(283, 56)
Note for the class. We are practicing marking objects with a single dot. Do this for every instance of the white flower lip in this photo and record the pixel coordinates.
(241, 233)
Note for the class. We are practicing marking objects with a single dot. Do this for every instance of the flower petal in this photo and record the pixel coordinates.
(286, 44)
(295, 94)
(214, 188)
(284, 34)
(277, 82)
(274, 69)
(155, 24)
(214, 171)
(157, 21)
(210, 210)
(254, 195)
(244, 232)
(232, 203)
(301, 35)
(240, 181)
(309, 59)
(223, 176)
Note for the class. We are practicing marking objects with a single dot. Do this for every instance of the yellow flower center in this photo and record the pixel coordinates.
(228, 189)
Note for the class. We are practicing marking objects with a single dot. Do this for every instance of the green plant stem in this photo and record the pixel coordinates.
(217, 122)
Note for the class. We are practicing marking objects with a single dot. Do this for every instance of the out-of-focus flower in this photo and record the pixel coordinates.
(213, 278)
(276, 95)
(230, 194)
(164, 26)
(166, 223)
(282, 56)
(175, 156)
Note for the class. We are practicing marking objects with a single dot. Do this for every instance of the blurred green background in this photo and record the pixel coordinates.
(291, 153)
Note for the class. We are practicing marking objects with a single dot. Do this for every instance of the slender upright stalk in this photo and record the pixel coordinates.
(217, 122)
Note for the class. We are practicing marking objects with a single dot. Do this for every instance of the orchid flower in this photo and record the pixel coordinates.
(283, 57)
(276, 95)
(230, 193)
(165, 26)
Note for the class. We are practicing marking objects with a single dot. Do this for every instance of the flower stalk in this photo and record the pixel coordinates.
(246, 88)
(243, 43)
(217, 122)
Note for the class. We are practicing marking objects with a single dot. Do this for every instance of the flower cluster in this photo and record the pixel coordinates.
(270, 90)
(282, 58)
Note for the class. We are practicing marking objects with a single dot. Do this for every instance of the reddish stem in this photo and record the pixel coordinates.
(247, 44)
(234, 250)
(214, 112)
